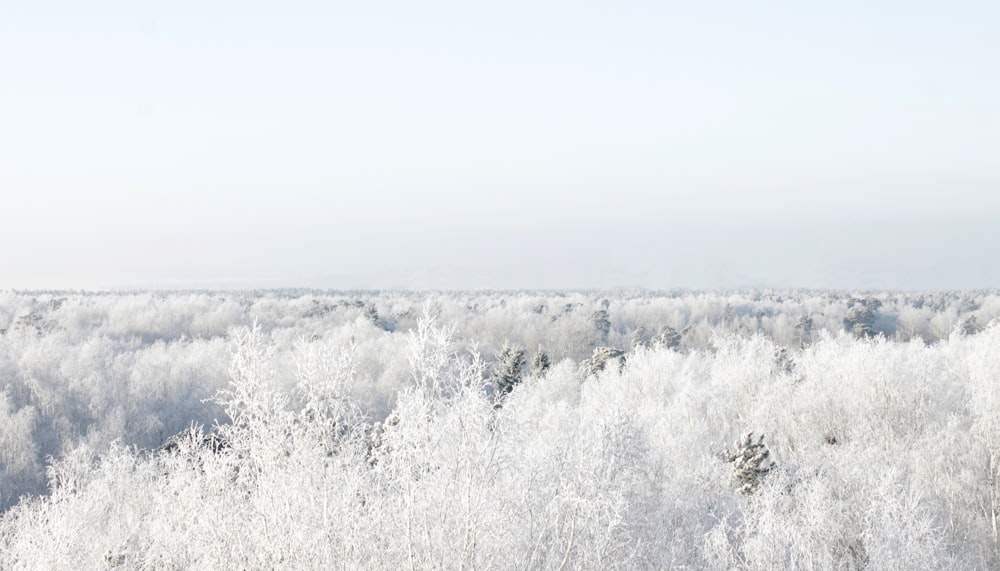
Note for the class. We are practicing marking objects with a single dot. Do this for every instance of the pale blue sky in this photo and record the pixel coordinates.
(524, 144)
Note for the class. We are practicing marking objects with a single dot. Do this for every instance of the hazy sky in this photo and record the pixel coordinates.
(515, 145)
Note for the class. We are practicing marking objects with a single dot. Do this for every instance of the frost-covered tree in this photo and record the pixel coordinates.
(508, 369)
(970, 326)
(371, 314)
(804, 330)
(195, 437)
(861, 317)
(751, 462)
(540, 363)
(600, 359)
(639, 338)
(913, 323)
(783, 361)
(668, 337)
(602, 322)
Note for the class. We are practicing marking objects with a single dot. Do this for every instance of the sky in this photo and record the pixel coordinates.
(501, 145)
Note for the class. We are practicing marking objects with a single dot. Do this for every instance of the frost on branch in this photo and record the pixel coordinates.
(751, 462)
(195, 438)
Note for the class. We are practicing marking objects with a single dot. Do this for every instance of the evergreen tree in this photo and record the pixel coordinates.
(804, 330)
(970, 326)
(540, 363)
(667, 337)
(640, 338)
(508, 369)
(599, 360)
(860, 318)
(602, 322)
(371, 313)
(751, 462)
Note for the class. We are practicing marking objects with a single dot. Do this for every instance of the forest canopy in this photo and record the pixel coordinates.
(623, 429)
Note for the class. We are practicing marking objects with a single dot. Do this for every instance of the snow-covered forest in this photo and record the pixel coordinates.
(500, 430)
